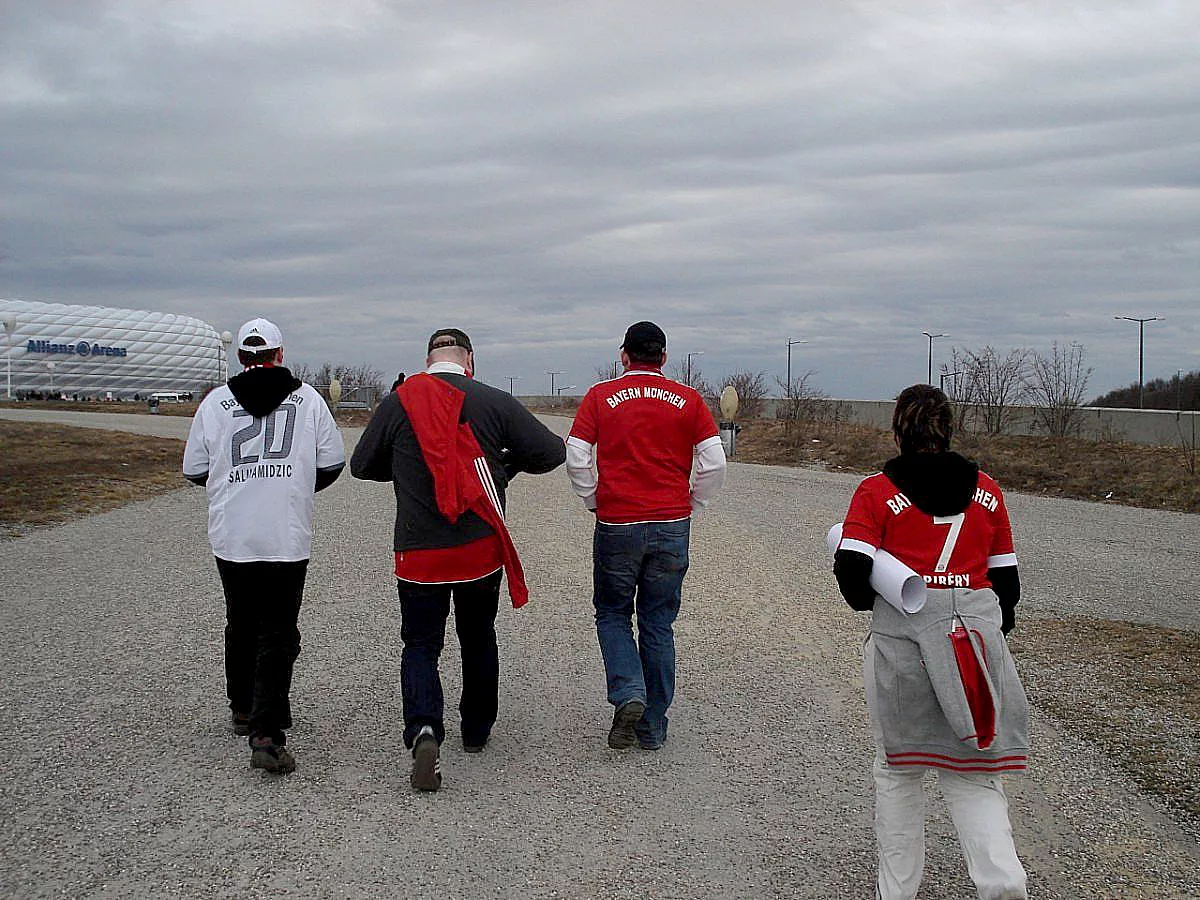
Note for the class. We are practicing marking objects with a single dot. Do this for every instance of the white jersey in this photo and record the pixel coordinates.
(262, 472)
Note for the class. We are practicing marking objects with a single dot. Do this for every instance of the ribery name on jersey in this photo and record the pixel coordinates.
(649, 393)
(261, 470)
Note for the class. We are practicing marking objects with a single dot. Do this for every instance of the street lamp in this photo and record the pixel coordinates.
(511, 379)
(689, 364)
(1141, 347)
(552, 374)
(50, 369)
(223, 367)
(789, 365)
(929, 377)
(10, 327)
(565, 387)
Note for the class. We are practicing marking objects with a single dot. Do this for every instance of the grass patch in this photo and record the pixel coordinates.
(55, 473)
(1133, 690)
(1112, 472)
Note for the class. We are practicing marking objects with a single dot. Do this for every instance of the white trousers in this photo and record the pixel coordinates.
(978, 807)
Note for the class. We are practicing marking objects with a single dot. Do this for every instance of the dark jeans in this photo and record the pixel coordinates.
(262, 604)
(640, 568)
(424, 609)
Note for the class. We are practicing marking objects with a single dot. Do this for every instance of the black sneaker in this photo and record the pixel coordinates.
(241, 723)
(473, 742)
(427, 765)
(265, 754)
(622, 735)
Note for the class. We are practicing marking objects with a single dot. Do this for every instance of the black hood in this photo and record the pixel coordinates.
(260, 390)
(940, 484)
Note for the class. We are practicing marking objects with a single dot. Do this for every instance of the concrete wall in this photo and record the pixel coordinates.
(1137, 426)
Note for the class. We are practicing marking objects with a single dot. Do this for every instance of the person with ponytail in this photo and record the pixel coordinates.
(942, 689)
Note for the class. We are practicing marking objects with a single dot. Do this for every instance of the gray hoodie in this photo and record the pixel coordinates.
(916, 694)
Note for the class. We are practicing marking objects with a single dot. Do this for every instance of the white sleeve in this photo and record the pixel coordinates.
(331, 449)
(196, 462)
(708, 472)
(580, 457)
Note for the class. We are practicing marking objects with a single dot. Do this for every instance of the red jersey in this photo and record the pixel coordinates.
(947, 551)
(645, 428)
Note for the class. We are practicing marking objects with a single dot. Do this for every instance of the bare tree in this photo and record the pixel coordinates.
(802, 401)
(994, 384)
(954, 381)
(361, 377)
(610, 371)
(751, 389)
(1055, 385)
(677, 371)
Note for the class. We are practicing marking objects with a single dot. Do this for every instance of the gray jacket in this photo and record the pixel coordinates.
(916, 695)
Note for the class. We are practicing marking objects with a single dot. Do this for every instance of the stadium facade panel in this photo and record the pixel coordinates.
(95, 351)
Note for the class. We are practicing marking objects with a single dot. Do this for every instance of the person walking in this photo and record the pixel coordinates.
(942, 690)
(643, 454)
(262, 445)
(450, 445)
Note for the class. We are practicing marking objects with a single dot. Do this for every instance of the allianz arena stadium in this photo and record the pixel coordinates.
(53, 349)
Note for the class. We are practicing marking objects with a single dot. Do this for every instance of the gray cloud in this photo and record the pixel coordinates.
(851, 173)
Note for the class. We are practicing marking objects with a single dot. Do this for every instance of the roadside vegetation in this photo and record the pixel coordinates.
(53, 473)
(1100, 471)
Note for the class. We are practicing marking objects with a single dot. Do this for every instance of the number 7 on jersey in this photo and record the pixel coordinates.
(956, 523)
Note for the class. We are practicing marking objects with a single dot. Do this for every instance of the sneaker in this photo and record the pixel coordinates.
(427, 765)
(271, 757)
(473, 742)
(646, 738)
(241, 723)
(622, 735)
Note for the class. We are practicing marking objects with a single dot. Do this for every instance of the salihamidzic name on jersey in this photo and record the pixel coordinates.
(262, 470)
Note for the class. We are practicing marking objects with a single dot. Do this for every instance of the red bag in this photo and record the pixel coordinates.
(973, 671)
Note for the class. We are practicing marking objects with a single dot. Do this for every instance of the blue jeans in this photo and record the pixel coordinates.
(640, 567)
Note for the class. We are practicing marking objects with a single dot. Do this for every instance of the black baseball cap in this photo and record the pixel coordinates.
(449, 337)
(644, 339)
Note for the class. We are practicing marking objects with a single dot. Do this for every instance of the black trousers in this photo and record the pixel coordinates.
(262, 640)
(424, 609)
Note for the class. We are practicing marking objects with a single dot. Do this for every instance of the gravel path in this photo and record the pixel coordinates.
(122, 779)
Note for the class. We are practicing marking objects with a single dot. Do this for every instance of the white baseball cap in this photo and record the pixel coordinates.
(264, 329)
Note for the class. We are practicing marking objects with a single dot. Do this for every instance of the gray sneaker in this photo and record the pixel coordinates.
(427, 764)
(265, 754)
(622, 735)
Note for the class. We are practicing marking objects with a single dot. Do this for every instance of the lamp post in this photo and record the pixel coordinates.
(929, 376)
(511, 379)
(50, 369)
(552, 374)
(565, 387)
(223, 367)
(689, 364)
(10, 327)
(1141, 347)
(789, 365)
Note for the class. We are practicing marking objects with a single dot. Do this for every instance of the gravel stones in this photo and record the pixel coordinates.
(122, 778)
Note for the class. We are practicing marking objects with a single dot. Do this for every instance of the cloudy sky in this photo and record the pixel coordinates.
(543, 173)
